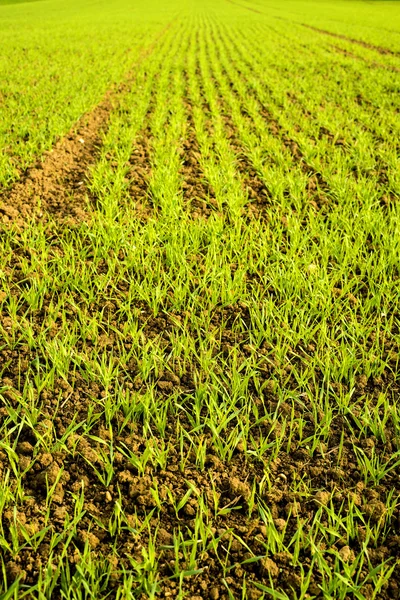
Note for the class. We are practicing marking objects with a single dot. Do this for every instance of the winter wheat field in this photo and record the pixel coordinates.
(199, 300)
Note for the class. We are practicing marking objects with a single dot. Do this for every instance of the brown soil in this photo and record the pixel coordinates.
(139, 175)
(56, 185)
(198, 194)
(239, 534)
(258, 194)
(323, 132)
(358, 99)
(316, 186)
(353, 41)
(239, 537)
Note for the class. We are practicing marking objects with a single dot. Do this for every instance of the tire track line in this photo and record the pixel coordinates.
(372, 65)
(352, 40)
(57, 185)
(254, 10)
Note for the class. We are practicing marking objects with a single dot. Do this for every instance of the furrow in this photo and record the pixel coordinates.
(57, 187)
(198, 193)
(246, 119)
(123, 174)
(255, 188)
(294, 144)
(219, 159)
(199, 160)
(139, 174)
(318, 98)
(167, 132)
(260, 197)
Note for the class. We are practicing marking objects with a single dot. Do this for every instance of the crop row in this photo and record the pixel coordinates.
(199, 370)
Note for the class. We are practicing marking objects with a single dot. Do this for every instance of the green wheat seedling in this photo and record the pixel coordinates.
(218, 330)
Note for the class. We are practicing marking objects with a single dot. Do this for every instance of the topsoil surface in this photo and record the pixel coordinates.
(56, 187)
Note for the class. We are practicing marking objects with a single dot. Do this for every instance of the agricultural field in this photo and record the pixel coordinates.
(199, 300)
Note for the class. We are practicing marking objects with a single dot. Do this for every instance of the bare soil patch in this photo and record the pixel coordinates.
(198, 193)
(139, 175)
(56, 185)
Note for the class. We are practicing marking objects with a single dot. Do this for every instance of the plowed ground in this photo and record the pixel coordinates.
(199, 333)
